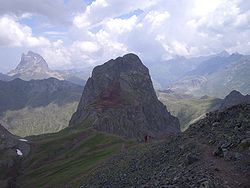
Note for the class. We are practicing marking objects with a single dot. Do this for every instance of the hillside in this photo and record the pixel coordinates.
(37, 106)
(188, 109)
(62, 159)
(212, 153)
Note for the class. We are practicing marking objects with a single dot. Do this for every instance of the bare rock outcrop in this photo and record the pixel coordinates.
(119, 98)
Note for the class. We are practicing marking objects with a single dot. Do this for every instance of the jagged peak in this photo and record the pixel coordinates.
(32, 55)
(32, 58)
(223, 53)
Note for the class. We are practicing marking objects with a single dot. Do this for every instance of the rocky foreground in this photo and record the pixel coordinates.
(214, 152)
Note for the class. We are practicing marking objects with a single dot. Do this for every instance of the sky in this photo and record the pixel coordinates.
(79, 33)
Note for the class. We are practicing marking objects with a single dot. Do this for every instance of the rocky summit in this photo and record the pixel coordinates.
(33, 66)
(119, 98)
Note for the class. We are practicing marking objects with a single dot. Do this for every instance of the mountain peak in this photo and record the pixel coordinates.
(223, 53)
(33, 54)
(33, 66)
(121, 64)
(119, 98)
(31, 62)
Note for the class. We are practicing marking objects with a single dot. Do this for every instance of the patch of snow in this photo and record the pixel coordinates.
(23, 140)
(19, 152)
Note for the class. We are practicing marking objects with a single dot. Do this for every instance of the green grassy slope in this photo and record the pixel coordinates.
(62, 159)
(189, 110)
(38, 120)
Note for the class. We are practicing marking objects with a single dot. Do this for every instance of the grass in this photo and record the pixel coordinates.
(61, 159)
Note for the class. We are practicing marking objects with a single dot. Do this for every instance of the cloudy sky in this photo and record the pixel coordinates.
(79, 33)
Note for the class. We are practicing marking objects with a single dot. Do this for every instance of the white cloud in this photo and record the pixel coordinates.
(13, 33)
(225, 15)
(100, 10)
(157, 18)
(86, 46)
(180, 48)
(57, 11)
(204, 7)
(154, 29)
(56, 54)
(120, 26)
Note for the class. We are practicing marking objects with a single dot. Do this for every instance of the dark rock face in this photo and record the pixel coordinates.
(119, 98)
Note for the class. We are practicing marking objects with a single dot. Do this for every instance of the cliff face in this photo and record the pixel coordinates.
(119, 98)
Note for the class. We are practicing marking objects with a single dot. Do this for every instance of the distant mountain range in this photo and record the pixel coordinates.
(37, 106)
(168, 72)
(214, 75)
